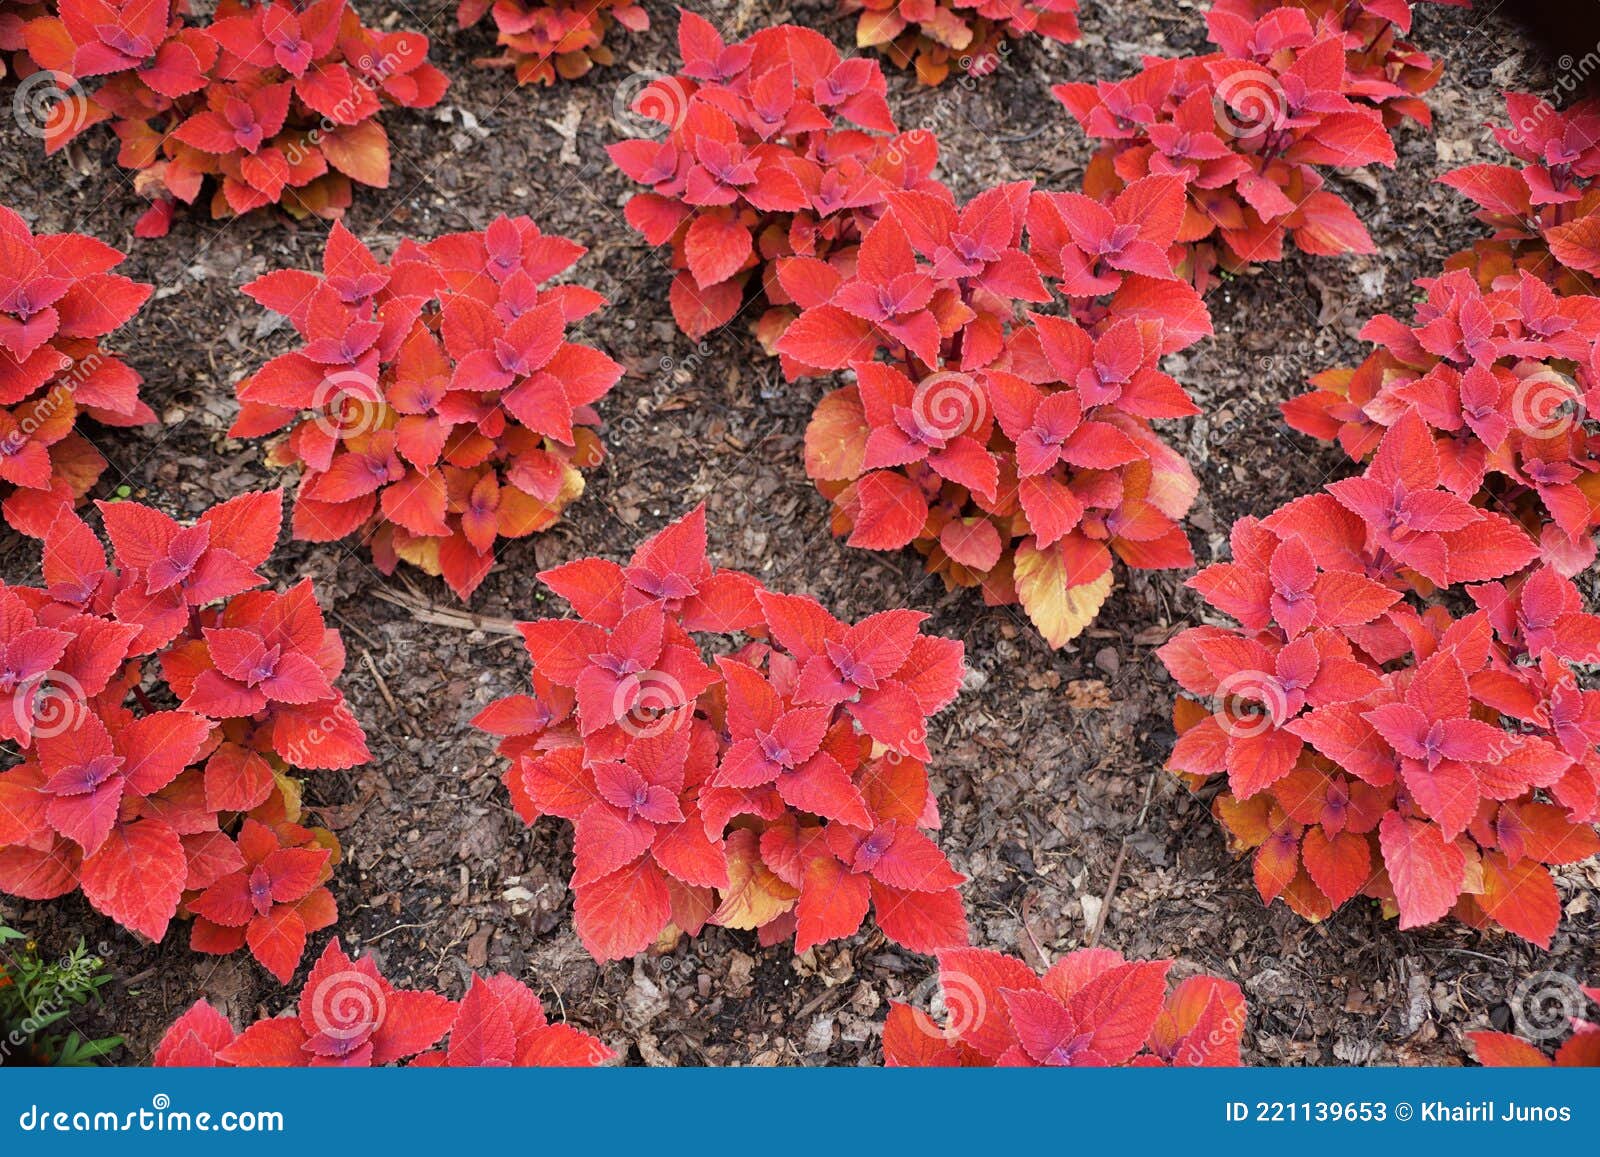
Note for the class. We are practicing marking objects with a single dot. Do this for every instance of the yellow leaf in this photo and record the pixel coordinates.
(1060, 612)
(291, 790)
(754, 895)
(326, 839)
(360, 151)
(836, 439)
(878, 28)
(932, 71)
(1247, 822)
(422, 553)
(522, 514)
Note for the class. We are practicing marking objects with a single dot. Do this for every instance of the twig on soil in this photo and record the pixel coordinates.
(346, 625)
(1116, 868)
(426, 612)
(383, 687)
(1022, 136)
(396, 928)
(1022, 918)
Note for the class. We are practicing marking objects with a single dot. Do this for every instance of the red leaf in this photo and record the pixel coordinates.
(971, 980)
(273, 1044)
(278, 940)
(1427, 872)
(562, 1046)
(972, 542)
(194, 1038)
(1046, 1030)
(1340, 865)
(620, 915)
(1502, 1050)
(699, 310)
(1521, 898)
(716, 247)
(1120, 1007)
(893, 511)
(833, 902)
(481, 1035)
(137, 876)
(911, 1039)
(921, 921)
(827, 338)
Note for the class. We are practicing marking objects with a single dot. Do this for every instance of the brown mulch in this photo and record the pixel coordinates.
(1048, 767)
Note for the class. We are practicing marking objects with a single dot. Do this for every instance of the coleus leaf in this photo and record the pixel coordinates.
(187, 813)
(745, 793)
(1091, 1008)
(350, 1014)
(448, 408)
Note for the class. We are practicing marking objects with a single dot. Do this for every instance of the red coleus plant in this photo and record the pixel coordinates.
(930, 35)
(549, 39)
(447, 409)
(1545, 212)
(275, 102)
(1091, 1008)
(348, 1015)
(1580, 1050)
(1381, 69)
(14, 16)
(772, 146)
(781, 787)
(1434, 763)
(1013, 449)
(1506, 381)
(152, 811)
(1247, 131)
(58, 298)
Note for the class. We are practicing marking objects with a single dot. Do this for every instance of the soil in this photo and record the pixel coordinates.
(1048, 767)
